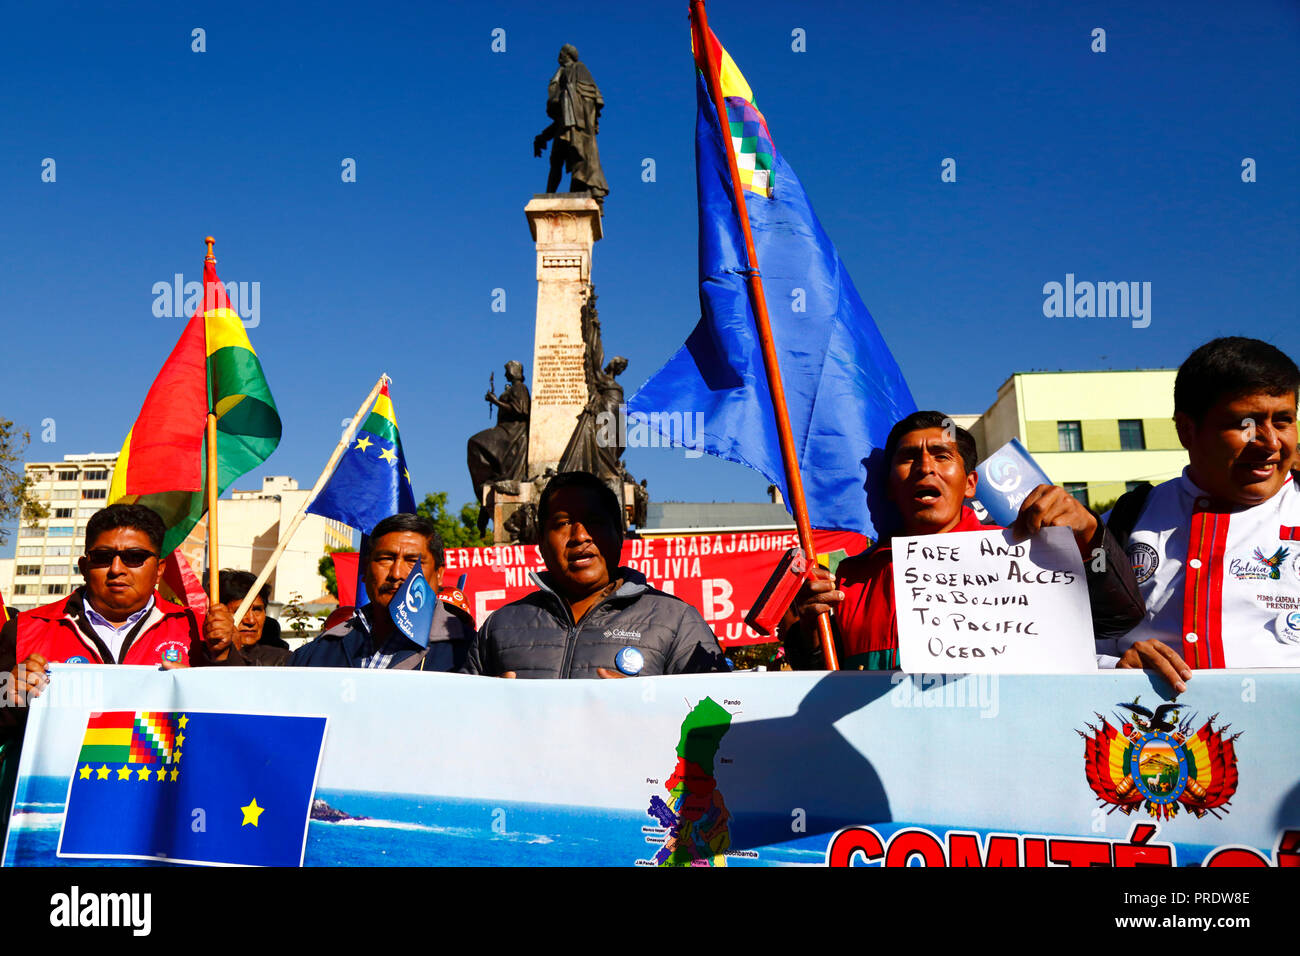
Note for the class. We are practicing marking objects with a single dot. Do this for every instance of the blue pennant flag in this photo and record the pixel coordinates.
(1006, 478)
(843, 388)
(412, 607)
(371, 481)
(193, 787)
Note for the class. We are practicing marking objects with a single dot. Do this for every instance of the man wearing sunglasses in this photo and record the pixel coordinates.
(116, 617)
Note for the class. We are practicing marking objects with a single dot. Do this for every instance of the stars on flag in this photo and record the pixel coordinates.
(251, 813)
(386, 452)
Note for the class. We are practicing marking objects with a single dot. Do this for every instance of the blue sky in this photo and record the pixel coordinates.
(1115, 166)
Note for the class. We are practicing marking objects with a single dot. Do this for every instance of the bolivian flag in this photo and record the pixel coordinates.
(162, 463)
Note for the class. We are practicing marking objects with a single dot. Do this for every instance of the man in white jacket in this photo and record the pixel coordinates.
(1216, 551)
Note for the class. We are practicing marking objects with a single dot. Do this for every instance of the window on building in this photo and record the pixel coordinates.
(1131, 437)
(58, 570)
(87, 510)
(24, 569)
(1079, 489)
(63, 512)
(67, 532)
(29, 551)
(96, 476)
(54, 589)
(63, 494)
(20, 589)
(26, 532)
(67, 476)
(1069, 436)
(91, 493)
(58, 551)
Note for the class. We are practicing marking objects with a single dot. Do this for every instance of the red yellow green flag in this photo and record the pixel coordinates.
(212, 366)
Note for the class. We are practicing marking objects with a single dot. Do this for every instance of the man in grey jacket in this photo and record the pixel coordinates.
(590, 617)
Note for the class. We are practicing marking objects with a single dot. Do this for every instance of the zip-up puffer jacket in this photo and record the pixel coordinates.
(536, 636)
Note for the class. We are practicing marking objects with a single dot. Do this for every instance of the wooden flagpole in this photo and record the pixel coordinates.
(789, 457)
(214, 585)
(298, 518)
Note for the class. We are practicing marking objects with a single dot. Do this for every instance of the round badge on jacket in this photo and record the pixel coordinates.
(629, 661)
(1287, 627)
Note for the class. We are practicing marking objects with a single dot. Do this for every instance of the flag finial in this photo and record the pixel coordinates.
(210, 257)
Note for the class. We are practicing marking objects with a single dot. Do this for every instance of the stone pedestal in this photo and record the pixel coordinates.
(504, 505)
(565, 227)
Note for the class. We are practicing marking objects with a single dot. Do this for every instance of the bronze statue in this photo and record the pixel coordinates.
(500, 453)
(597, 442)
(573, 102)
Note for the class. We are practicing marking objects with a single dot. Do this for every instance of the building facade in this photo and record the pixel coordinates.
(1097, 434)
(45, 557)
(44, 567)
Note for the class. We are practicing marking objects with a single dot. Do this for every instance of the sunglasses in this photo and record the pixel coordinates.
(131, 557)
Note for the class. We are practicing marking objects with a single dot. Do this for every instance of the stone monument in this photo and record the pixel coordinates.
(574, 389)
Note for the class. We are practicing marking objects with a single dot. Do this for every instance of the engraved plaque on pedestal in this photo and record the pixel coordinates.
(565, 227)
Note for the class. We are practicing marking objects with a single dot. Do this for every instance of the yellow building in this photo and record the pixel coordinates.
(1095, 433)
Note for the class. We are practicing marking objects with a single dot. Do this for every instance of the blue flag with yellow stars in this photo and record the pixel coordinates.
(193, 787)
(371, 481)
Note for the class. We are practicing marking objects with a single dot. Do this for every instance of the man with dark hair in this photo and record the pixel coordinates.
(246, 645)
(589, 617)
(931, 465)
(116, 617)
(369, 638)
(1217, 549)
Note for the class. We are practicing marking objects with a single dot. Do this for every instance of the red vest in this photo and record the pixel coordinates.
(59, 633)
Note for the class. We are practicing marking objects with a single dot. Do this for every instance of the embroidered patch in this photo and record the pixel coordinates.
(1144, 560)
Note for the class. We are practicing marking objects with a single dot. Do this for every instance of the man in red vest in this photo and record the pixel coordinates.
(931, 476)
(116, 617)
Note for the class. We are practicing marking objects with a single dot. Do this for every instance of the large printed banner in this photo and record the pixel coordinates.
(718, 574)
(702, 770)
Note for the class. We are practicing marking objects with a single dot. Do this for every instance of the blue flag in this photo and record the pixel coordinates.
(843, 388)
(193, 787)
(1006, 478)
(371, 481)
(412, 607)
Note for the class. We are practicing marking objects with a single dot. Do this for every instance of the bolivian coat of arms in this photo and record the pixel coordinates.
(1153, 758)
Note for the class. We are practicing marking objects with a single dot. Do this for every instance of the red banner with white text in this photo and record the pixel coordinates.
(718, 574)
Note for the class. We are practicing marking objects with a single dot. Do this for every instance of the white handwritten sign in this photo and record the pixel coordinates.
(979, 602)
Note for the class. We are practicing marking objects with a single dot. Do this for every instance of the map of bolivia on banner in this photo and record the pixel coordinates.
(193, 787)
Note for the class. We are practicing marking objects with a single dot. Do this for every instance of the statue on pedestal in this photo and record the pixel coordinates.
(573, 102)
(500, 453)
